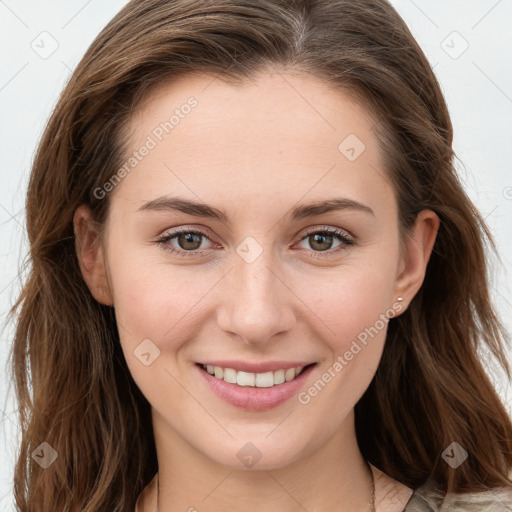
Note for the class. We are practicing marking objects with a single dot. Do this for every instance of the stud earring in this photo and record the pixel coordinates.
(399, 299)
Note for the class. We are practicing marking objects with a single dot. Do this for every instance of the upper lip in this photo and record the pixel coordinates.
(269, 366)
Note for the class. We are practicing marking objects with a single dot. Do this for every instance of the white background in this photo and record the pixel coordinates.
(477, 86)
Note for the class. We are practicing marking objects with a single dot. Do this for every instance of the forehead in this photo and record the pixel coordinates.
(278, 133)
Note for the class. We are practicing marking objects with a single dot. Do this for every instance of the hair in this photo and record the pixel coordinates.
(72, 382)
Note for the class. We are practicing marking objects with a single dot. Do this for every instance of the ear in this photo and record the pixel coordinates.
(90, 253)
(415, 256)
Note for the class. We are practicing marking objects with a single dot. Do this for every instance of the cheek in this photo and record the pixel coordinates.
(153, 299)
(351, 304)
(155, 308)
(357, 315)
(354, 309)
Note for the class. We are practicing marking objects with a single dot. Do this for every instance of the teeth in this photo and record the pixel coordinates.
(264, 380)
(259, 380)
(244, 378)
(289, 374)
(230, 375)
(279, 377)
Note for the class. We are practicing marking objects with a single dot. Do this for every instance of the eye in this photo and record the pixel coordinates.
(189, 242)
(323, 240)
(184, 242)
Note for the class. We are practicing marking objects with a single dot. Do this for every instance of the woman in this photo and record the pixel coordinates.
(256, 280)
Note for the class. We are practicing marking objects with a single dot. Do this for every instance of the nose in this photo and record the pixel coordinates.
(256, 303)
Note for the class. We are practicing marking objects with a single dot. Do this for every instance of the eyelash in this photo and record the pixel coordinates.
(337, 233)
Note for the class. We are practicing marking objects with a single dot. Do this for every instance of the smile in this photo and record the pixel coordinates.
(258, 380)
(256, 387)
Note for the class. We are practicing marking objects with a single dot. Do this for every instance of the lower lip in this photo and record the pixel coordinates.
(253, 398)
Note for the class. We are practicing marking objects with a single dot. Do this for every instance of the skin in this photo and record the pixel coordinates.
(256, 150)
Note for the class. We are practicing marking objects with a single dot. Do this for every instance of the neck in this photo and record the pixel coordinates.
(334, 472)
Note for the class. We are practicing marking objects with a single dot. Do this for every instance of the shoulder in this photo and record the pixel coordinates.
(428, 498)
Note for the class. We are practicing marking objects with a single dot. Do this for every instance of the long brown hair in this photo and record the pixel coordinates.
(74, 389)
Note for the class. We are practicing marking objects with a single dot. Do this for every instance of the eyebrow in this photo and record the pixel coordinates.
(299, 212)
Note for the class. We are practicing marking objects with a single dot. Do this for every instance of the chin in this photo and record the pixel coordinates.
(255, 453)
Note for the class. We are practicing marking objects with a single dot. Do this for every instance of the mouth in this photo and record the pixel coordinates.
(254, 390)
(266, 379)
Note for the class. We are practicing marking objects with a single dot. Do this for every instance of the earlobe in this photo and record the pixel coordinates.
(90, 254)
(416, 255)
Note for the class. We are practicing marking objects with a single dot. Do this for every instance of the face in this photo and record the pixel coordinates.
(292, 260)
